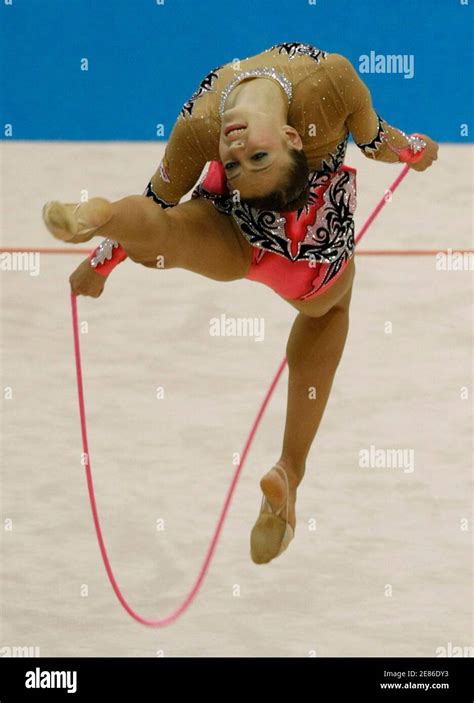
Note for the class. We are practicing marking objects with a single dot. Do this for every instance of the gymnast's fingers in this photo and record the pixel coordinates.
(430, 155)
(422, 165)
(85, 281)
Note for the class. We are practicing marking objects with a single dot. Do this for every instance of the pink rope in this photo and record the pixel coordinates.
(167, 620)
(382, 202)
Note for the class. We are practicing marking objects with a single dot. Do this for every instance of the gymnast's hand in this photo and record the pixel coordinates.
(85, 281)
(430, 155)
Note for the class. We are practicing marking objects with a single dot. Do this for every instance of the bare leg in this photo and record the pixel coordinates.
(314, 349)
(194, 235)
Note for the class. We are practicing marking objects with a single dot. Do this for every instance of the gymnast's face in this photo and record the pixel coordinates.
(254, 151)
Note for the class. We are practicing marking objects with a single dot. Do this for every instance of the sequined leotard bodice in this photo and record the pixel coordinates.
(328, 101)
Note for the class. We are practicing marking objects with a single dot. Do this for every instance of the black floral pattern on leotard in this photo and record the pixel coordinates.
(222, 202)
(330, 239)
(205, 86)
(293, 49)
(373, 146)
(332, 234)
(150, 193)
(335, 160)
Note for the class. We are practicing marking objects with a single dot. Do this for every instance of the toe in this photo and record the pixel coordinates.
(266, 538)
(57, 220)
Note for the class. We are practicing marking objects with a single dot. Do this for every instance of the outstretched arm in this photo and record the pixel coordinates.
(373, 135)
(180, 167)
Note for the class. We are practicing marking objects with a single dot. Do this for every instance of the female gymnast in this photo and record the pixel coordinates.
(276, 206)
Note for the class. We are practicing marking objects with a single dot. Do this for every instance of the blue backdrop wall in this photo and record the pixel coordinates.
(144, 58)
